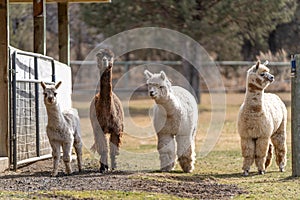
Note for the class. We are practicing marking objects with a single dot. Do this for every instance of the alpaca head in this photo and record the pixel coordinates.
(159, 86)
(105, 59)
(258, 77)
(50, 93)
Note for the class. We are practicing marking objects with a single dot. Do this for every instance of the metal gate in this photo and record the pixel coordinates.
(28, 117)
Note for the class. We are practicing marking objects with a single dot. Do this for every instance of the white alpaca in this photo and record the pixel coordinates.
(63, 130)
(175, 122)
(262, 122)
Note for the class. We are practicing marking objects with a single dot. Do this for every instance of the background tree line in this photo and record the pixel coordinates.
(228, 30)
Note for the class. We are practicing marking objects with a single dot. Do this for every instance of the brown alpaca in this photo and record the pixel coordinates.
(106, 113)
(262, 122)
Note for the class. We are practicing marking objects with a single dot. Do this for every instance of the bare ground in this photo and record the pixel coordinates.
(36, 177)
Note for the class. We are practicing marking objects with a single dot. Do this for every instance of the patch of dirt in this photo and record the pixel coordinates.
(36, 177)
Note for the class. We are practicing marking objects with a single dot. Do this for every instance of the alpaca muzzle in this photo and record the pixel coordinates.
(50, 100)
(152, 94)
(270, 77)
(110, 65)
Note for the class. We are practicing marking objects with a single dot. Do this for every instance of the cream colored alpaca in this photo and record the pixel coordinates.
(175, 122)
(63, 130)
(262, 122)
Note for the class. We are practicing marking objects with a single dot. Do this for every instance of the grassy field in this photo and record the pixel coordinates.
(222, 163)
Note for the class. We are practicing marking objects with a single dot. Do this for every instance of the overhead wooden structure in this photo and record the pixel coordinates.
(4, 42)
(63, 1)
(39, 47)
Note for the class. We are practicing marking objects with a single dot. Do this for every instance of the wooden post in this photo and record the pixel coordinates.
(39, 19)
(63, 33)
(295, 64)
(4, 41)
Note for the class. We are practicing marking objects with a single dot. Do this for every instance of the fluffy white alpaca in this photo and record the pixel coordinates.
(262, 122)
(175, 122)
(63, 130)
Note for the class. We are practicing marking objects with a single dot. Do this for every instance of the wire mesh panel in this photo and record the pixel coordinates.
(29, 141)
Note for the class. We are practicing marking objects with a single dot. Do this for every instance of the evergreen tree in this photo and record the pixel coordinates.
(233, 29)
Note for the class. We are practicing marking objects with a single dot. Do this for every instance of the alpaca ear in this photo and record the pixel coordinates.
(257, 65)
(266, 63)
(57, 85)
(163, 75)
(148, 74)
(99, 57)
(43, 85)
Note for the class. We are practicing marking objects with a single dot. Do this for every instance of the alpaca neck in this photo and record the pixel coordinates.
(170, 104)
(106, 88)
(254, 97)
(55, 117)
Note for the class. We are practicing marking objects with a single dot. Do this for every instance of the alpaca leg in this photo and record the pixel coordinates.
(279, 142)
(55, 156)
(248, 153)
(67, 151)
(100, 142)
(78, 149)
(269, 156)
(102, 148)
(262, 145)
(115, 141)
(166, 148)
(186, 152)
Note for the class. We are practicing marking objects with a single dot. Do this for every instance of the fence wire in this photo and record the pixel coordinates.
(26, 129)
(28, 137)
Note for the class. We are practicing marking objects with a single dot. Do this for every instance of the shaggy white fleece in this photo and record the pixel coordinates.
(175, 122)
(63, 130)
(262, 122)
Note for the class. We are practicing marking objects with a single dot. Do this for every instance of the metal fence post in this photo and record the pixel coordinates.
(37, 107)
(14, 107)
(295, 87)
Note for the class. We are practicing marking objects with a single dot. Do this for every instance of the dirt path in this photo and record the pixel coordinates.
(36, 177)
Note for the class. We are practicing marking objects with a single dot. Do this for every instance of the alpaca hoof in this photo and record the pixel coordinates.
(246, 173)
(166, 169)
(103, 168)
(261, 172)
(69, 173)
(54, 174)
(281, 169)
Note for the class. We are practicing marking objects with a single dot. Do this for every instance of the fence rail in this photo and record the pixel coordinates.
(141, 62)
(232, 72)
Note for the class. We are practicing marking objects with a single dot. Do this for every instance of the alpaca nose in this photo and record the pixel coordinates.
(271, 78)
(151, 93)
(51, 99)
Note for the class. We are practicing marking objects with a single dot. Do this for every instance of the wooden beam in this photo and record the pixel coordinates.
(39, 21)
(4, 41)
(63, 1)
(295, 112)
(63, 33)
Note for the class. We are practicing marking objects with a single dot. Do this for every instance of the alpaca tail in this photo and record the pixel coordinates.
(269, 156)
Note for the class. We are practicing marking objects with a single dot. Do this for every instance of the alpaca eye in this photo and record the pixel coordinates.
(45, 94)
(55, 94)
(262, 74)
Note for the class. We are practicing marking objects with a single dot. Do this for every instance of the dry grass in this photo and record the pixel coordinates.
(223, 163)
